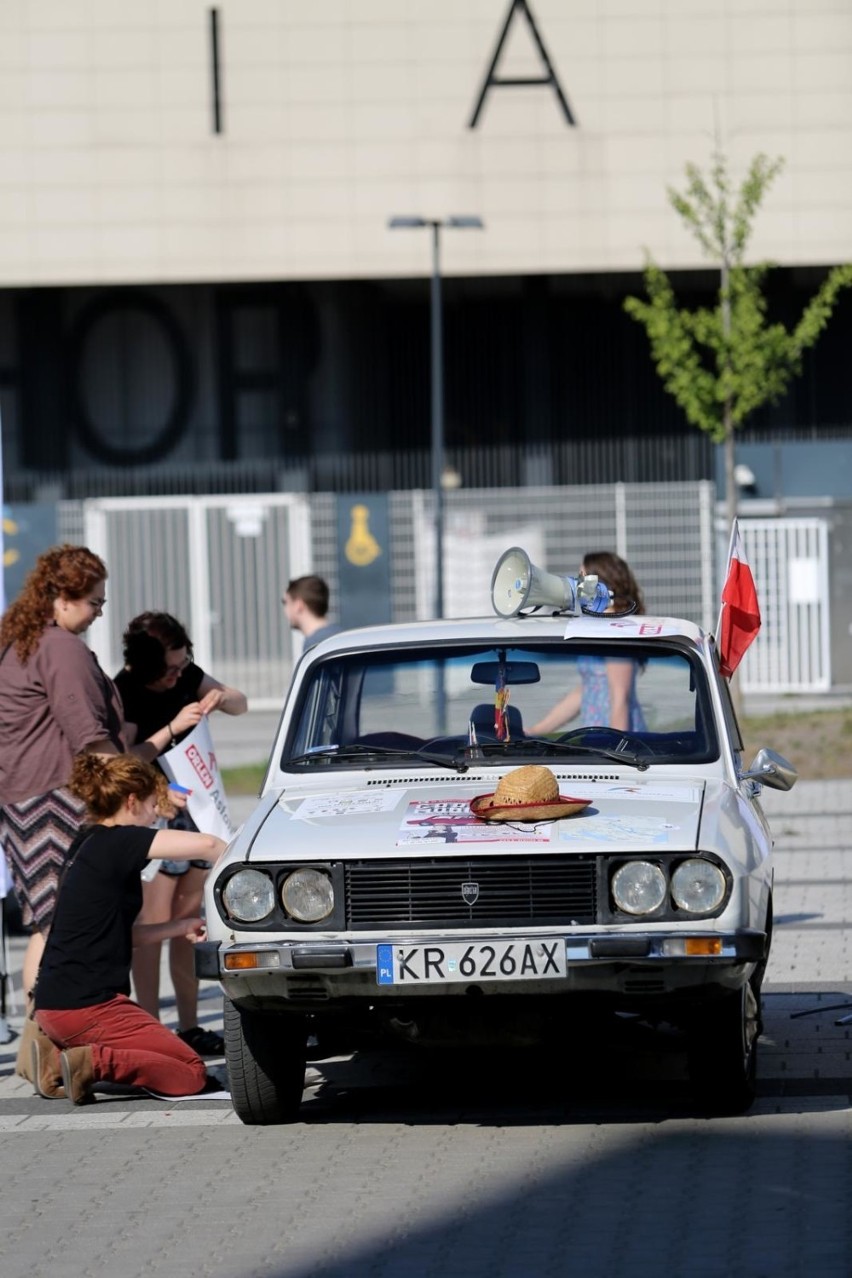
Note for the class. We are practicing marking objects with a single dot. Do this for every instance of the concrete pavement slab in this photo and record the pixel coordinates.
(399, 1169)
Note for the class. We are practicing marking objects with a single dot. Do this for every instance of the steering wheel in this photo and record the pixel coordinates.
(621, 738)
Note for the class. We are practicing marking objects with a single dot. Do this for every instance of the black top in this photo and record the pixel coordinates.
(90, 943)
(151, 711)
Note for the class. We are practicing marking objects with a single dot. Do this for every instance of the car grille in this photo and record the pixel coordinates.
(512, 892)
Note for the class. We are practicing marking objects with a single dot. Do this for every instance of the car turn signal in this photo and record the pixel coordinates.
(246, 960)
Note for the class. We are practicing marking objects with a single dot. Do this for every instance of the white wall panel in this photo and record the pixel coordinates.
(338, 114)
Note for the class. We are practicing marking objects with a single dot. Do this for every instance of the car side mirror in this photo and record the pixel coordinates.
(772, 769)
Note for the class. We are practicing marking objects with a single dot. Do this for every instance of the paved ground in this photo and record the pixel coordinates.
(245, 738)
(592, 1164)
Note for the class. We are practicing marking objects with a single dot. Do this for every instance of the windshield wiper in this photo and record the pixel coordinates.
(540, 746)
(358, 749)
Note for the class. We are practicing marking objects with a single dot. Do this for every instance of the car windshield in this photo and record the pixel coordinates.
(440, 705)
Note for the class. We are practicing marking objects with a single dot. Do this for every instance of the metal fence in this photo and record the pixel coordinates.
(660, 459)
(217, 563)
(789, 562)
(654, 459)
(220, 563)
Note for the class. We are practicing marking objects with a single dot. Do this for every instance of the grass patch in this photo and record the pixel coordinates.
(245, 779)
(818, 743)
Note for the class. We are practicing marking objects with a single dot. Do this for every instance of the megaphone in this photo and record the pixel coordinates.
(517, 583)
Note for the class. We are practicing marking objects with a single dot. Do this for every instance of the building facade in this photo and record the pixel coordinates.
(196, 263)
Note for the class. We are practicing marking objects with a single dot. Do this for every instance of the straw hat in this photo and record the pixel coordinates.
(526, 794)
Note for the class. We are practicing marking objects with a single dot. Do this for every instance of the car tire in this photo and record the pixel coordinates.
(722, 1052)
(266, 1056)
(760, 971)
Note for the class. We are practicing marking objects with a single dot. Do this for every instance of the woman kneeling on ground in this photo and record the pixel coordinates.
(82, 994)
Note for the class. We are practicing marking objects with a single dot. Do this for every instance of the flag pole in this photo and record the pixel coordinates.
(735, 523)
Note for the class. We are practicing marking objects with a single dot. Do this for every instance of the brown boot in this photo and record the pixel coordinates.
(78, 1074)
(47, 1078)
(24, 1059)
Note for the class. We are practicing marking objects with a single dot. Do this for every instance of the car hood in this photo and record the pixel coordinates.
(394, 819)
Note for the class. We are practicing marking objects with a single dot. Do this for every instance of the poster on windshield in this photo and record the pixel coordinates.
(192, 764)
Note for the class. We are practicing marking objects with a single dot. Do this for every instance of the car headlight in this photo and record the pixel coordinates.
(638, 887)
(307, 895)
(698, 886)
(249, 896)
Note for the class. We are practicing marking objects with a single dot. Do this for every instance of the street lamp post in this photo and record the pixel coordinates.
(437, 377)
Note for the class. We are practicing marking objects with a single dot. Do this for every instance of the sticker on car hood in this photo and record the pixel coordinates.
(651, 793)
(639, 816)
(444, 820)
(342, 805)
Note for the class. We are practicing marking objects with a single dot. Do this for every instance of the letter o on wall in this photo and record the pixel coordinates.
(98, 341)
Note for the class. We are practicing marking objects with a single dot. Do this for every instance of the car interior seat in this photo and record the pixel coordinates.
(482, 718)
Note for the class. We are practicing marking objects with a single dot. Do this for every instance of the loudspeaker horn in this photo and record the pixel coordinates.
(517, 583)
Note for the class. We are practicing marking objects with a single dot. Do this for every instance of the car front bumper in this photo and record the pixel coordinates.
(316, 974)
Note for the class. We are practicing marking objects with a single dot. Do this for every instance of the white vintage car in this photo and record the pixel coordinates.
(366, 891)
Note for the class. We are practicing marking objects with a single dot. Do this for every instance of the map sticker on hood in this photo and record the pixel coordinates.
(612, 829)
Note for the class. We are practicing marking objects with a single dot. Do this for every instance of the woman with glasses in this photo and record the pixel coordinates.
(55, 703)
(164, 690)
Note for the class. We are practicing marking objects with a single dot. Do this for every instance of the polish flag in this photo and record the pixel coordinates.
(739, 620)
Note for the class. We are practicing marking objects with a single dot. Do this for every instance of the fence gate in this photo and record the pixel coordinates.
(219, 564)
(789, 562)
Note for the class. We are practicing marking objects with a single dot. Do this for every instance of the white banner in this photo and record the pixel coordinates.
(193, 765)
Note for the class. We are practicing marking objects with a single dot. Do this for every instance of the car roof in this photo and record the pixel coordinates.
(513, 630)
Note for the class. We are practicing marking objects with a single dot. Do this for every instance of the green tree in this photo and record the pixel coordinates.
(721, 364)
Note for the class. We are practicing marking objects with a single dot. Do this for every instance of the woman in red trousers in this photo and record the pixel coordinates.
(82, 994)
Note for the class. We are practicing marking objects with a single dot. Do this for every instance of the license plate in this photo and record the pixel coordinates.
(460, 961)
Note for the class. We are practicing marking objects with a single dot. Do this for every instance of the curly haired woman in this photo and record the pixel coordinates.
(55, 702)
(96, 1032)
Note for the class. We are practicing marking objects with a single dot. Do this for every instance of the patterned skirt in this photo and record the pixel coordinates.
(37, 835)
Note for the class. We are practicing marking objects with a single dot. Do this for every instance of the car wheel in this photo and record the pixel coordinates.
(266, 1057)
(722, 1052)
